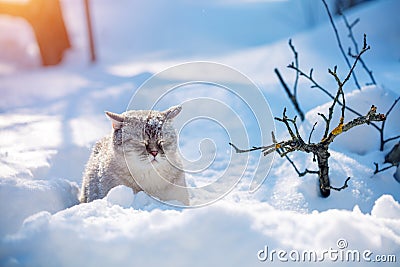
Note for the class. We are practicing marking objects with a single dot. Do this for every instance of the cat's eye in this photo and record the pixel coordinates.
(160, 142)
(145, 142)
(160, 145)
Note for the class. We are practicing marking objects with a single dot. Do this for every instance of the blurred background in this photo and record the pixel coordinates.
(33, 33)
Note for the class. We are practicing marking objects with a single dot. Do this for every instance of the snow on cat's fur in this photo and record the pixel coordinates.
(141, 153)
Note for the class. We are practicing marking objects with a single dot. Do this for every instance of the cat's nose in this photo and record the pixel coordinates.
(154, 153)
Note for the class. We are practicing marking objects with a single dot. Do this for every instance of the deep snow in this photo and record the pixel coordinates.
(51, 117)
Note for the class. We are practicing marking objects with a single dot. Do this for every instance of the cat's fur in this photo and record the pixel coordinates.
(141, 153)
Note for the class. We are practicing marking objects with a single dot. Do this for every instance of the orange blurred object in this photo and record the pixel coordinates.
(45, 17)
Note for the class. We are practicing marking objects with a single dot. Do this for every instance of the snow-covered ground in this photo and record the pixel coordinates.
(50, 118)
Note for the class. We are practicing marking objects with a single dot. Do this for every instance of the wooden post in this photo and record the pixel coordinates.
(90, 32)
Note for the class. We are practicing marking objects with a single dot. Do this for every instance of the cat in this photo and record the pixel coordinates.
(142, 153)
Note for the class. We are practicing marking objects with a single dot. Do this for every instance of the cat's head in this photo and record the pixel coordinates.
(146, 135)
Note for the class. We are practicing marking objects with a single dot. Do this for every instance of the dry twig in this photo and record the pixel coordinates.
(320, 150)
(377, 170)
(340, 43)
(353, 40)
(315, 84)
(292, 96)
(382, 128)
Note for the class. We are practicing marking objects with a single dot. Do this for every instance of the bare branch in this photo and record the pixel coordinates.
(320, 150)
(351, 36)
(380, 129)
(392, 138)
(392, 106)
(284, 119)
(344, 186)
(311, 79)
(265, 149)
(300, 174)
(335, 100)
(377, 170)
(384, 141)
(312, 130)
(340, 83)
(316, 85)
(340, 44)
(296, 62)
(323, 117)
(293, 121)
(370, 116)
(354, 22)
(292, 97)
(363, 50)
(238, 150)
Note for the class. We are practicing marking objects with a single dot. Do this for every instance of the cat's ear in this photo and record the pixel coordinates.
(172, 112)
(117, 120)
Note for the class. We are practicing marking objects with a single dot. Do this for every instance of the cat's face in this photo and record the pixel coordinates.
(145, 136)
